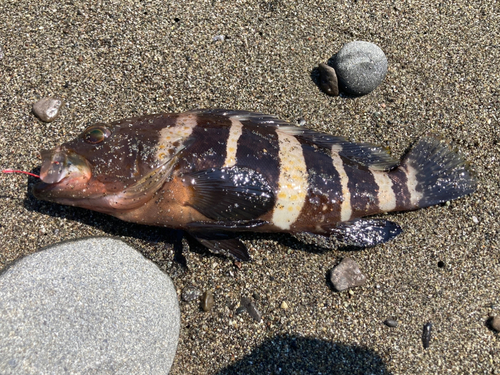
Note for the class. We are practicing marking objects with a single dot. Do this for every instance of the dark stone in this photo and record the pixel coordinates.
(427, 335)
(391, 323)
(328, 81)
(250, 307)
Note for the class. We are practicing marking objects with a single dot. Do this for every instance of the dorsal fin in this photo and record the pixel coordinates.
(365, 155)
(246, 117)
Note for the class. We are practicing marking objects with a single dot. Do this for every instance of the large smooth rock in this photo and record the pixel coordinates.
(92, 306)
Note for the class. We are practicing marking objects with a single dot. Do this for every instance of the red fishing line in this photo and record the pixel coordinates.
(15, 171)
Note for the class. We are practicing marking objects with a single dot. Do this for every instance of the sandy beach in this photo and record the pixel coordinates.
(117, 59)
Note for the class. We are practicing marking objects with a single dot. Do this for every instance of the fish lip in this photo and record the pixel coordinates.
(54, 165)
(59, 168)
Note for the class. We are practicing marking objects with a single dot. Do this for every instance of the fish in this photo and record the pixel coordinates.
(217, 173)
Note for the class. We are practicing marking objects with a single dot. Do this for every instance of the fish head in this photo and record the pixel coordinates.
(107, 168)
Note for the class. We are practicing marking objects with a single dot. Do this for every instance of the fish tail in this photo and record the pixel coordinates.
(434, 174)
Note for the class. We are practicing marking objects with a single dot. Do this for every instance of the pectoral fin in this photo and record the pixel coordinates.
(364, 232)
(230, 194)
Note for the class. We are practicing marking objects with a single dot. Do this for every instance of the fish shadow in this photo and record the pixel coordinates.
(290, 354)
(153, 235)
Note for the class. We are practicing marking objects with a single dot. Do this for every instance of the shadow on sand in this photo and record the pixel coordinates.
(287, 355)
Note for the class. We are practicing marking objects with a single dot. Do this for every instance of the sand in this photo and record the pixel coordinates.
(117, 59)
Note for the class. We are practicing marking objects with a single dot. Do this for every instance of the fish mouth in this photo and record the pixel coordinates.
(62, 170)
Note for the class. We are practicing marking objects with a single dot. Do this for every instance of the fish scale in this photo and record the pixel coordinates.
(215, 173)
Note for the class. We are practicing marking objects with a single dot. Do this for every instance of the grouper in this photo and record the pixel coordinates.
(216, 173)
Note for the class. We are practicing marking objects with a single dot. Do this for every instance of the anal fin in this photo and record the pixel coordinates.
(364, 232)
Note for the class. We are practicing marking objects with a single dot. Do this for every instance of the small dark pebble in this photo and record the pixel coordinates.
(47, 109)
(391, 323)
(190, 293)
(254, 313)
(328, 80)
(256, 296)
(247, 304)
(494, 323)
(426, 335)
(207, 301)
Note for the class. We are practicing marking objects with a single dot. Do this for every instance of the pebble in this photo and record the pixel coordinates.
(2, 55)
(207, 301)
(328, 81)
(391, 323)
(427, 335)
(301, 122)
(360, 67)
(284, 305)
(219, 38)
(495, 323)
(86, 307)
(346, 275)
(190, 293)
(250, 307)
(47, 109)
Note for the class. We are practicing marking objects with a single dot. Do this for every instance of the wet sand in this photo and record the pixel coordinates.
(122, 59)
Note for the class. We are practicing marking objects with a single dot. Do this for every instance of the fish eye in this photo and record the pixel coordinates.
(96, 134)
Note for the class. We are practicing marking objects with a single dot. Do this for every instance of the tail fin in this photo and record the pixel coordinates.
(436, 174)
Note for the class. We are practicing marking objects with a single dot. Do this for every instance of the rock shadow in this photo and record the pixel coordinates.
(287, 355)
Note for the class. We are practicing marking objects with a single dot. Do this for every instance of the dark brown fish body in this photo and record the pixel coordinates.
(225, 171)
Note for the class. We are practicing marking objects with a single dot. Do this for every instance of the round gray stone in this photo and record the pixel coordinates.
(89, 306)
(360, 67)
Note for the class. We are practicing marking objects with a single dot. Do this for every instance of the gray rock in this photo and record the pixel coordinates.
(47, 109)
(360, 67)
(391, 323)
(347, 275)
(328, 81)
(89, 306)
